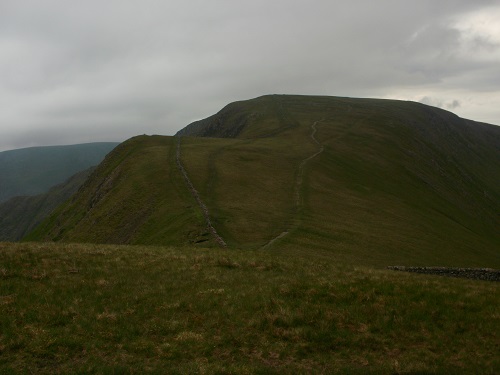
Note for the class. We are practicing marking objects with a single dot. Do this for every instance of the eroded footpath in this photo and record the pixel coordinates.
(197, 197)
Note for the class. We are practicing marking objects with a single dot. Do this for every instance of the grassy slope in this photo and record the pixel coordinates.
(248, 186)
(391, 194)
(20, 215)
(397, 183)
(152, 205)
(35, 170)
(118, 309)
(135, 196)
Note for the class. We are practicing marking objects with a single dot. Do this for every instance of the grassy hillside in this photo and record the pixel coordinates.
(364, 181)
(20, 215)
(135, 196)
(135, 309)
(35, 170)
(396, 181)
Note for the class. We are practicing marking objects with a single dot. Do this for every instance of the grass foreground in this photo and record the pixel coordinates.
(68, 308)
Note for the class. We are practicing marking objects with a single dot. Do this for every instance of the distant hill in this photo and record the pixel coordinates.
(360, 180)
(31, 171)
(20, 215)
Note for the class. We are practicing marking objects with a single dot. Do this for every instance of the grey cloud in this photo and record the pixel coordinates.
(94, 70)
(453, 104)
(436, 102)
(431, 101)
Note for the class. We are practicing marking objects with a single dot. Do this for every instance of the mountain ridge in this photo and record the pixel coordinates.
(396, 182)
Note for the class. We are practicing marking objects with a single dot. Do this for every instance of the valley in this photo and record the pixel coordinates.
(34, 170)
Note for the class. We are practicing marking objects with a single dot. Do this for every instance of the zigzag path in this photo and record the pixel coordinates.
(298, 198)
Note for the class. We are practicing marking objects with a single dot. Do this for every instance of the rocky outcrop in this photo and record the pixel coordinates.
(227, 123)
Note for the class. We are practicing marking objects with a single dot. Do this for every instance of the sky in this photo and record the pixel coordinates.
(75, 71)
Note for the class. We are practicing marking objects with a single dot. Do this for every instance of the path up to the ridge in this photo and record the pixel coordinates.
(298, 198)
(197, 197)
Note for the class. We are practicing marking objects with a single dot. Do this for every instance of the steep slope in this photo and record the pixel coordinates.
(361, 180)
(31, 171)
(136, 195)
(20, 215)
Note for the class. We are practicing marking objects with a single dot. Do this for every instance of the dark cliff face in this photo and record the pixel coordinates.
(227, 123)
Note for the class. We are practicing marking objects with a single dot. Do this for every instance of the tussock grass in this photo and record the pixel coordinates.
(69, 308)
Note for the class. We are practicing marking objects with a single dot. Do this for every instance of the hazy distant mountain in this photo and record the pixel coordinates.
(363, 180)
(20, 215)
(34, 170)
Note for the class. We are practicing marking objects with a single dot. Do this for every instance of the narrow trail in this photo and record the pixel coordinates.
(300, 175)
(298, 199)
(196, 196)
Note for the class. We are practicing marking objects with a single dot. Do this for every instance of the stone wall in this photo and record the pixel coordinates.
(487, 274)
(196, 196)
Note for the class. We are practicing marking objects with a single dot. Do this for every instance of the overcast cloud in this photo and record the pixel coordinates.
(76, 71)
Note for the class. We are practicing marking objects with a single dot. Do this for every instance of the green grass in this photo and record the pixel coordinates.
(248, 186)
(397, 183)
(135, 196)
(68, 308)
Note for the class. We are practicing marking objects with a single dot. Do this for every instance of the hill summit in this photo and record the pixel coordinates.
(372, 181)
